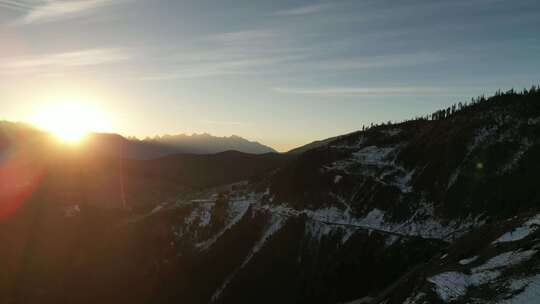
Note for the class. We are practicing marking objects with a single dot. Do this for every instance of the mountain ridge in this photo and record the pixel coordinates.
(438, 209)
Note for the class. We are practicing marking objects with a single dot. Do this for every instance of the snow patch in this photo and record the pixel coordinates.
(392, 132)
(72, 211)
(521, 232)
(453, 178)
(534, 121)
(369, 156)
(481, 136)
(201, 214)
(415, 299)
(158, 208)
(378, 163)
(468, 261)
(423, 223)
(236, 212)
(347, 233)
(528, 291)
(403, 182)
(317, 230)
(451, 286)
(505, 260)
(390, 240)
(524, 146)
(364, 300)
(374, 155)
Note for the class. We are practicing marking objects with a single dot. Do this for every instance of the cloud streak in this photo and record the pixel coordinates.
(41, 11)
(217, 65)
(380, 62)
(232, 53)
(243, 37)
(82, 58)
(15, 5)
(364, 91)
(304, 10)
(271, 51)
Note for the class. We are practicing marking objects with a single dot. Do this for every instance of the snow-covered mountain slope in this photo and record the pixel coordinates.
(250, 245)
(470, 164)
(358, 216)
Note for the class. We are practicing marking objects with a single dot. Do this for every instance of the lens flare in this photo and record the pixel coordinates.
(19, 178)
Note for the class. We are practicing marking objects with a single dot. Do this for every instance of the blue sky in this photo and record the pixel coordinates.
(281, 72)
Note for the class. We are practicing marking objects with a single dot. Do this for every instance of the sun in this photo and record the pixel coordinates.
(70, 122)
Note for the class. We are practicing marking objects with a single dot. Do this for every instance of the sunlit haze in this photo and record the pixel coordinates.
(283, 73)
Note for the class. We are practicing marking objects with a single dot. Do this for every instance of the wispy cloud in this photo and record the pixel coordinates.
(304, 10)
(15, 5)
(242, 37)
(381, 61)
(233, 53)
(364, 91)
(201, 69)
(82, 58)
(40, 11)
(266, 51)
(218, 65)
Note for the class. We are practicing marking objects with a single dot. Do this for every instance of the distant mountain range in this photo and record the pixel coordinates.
(148, 148)
(208, 144)
(173, 144)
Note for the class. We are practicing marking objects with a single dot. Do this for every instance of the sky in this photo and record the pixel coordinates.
(282, 72)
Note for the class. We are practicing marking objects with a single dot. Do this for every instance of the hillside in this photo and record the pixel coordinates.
(354, 217)
(312, 145)
(440, 209)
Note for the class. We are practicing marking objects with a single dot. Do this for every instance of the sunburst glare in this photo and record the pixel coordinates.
(71, 121)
